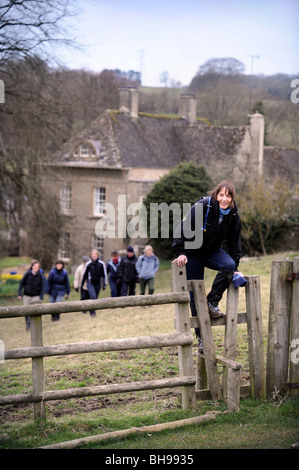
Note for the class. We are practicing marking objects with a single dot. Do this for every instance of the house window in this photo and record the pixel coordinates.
(98, 244)
(64, 244)
(84, 150)
(65, 199)
(99, 199)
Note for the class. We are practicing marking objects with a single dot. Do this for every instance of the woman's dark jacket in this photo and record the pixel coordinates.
(127, 269)
(58, 282)
(226, 234)
(95, 272)
(33, 284)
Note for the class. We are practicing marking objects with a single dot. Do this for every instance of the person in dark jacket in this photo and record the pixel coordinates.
(221, 225)
(96, 275)
(58, 285)
(33, 286)
(127, 273)
(114, 281)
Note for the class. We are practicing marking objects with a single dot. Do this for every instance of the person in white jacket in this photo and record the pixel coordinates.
(84, 295)
(147, 265)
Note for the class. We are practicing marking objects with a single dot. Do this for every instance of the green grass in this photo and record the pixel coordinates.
(11, 261)
(258, 424)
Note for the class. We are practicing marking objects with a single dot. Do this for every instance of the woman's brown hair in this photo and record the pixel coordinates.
(228, 186)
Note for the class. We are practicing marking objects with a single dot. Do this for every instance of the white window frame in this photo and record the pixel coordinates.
(65, 199)
(99, 200)
(84, 150)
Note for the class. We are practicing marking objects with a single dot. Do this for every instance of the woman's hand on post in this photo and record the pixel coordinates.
(239, 272)
(181, 260)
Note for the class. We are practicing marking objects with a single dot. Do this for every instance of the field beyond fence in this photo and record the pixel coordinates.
(80, 371)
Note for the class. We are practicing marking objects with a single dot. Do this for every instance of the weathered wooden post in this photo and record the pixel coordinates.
(294, 333)
(255, 337)
(207, 339)
(37, 365)
(230, 336)
(182, 323)
(279, 326)
(201, 373)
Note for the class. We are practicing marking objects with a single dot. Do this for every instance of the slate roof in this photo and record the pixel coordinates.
(162, 142)
(152, 142)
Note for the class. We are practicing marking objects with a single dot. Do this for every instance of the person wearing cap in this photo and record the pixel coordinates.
(147, 265)
(221, 227)
(127, 273)
(84, 295)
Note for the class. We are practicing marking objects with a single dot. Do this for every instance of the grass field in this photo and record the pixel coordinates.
(259, 424)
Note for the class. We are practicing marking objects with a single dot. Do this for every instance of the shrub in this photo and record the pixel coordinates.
(266, 210)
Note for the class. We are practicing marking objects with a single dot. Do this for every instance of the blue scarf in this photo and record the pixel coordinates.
(223, 212)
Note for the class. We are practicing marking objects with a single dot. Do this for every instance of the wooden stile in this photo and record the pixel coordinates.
(230, 336)
(207, 339)
(255, 338)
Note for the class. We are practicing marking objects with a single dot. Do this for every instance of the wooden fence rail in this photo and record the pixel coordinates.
(99, 304)
(142, 342)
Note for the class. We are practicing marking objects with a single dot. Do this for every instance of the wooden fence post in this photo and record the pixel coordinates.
(182, 323)
(201, 373)
(294, 333)
(207, 339)
(37, 365)
(255, 338)
(279, 326)
(230, 336)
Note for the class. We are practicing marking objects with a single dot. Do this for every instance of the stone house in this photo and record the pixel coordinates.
(117, 159)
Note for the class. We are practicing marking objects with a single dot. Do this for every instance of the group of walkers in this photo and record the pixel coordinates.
(92, 275)
(122, 273)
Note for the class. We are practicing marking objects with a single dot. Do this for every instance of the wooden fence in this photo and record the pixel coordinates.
(205, 383)
(183, 339)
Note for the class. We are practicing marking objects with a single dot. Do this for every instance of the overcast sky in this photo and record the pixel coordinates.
(178, 36)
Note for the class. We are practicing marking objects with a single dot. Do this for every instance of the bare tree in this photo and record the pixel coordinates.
(30, 124)
(27, 26)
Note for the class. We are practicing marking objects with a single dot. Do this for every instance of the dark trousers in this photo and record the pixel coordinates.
(149, 283)
(93, 291)
(219, 261)
(114, 288)
(84, 294)
(128, 288)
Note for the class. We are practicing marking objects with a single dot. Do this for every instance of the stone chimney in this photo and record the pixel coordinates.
(187, 107)
(257, 129)
(128, 101)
